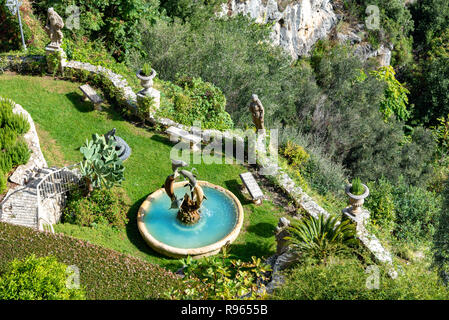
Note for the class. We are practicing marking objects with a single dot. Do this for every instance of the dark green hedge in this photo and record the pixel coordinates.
(104, 273)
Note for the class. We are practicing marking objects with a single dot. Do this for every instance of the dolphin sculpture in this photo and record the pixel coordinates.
(168, 185)
(198, 194)
(176, 164)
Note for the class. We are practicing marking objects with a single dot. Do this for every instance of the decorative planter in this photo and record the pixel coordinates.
(146, 81)
(356, 202)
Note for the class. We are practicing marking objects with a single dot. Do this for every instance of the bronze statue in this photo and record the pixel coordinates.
(258, 112)
(53, 28)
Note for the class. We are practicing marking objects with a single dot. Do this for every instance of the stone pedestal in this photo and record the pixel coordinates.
(63, 62)
(360, 218)
(151, 93)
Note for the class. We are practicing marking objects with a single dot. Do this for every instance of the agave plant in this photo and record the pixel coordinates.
(101, 164)
(320, 237)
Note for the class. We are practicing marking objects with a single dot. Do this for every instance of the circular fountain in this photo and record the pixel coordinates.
(189, 218)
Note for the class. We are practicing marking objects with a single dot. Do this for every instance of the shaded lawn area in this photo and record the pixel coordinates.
(64, 122)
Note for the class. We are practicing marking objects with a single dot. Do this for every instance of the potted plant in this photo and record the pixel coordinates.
(146, 76)
(357, 192)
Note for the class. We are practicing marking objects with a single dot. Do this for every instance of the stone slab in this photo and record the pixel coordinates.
(91, 94)
(251, 185)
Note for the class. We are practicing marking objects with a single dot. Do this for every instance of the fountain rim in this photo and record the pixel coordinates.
(175, 252)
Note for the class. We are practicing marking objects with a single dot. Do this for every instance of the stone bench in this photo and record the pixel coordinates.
(193, 140)
(91, 94)
(252, 187)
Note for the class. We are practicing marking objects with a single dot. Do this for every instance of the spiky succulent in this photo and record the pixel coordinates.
(101, 164)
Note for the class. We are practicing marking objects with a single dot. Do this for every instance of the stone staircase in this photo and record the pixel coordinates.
(19, 206)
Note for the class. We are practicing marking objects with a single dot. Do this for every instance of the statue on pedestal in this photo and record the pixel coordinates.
(53, 28)
(257, 110)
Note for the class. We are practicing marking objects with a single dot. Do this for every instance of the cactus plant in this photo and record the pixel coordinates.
(101, 164)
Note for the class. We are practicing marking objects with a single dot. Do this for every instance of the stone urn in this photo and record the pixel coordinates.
(356, 202)
(146, 81)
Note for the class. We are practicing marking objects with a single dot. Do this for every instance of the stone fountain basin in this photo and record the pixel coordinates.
(144, 218)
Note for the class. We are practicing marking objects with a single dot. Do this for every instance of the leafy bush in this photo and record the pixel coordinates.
(7, 138)
(115, 22)
(196, 100)
(104, 206)
(430, 91)
(381, 204)
(417, 212)
(37, 279)
(5, 162)
(319, 238)
(105, 274)
(396, 99)
(95, 53)
(347, 279)
(19, 153)
(221, 279)
(19, 123)
(10, 38)
(3, 182)
(144, 107)
(296, 154)
(14, 150)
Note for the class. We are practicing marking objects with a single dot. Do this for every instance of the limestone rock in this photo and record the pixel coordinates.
(297, 24)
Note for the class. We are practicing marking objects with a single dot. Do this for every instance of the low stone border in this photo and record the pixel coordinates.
(301, 199)
(24, 173)
(179, 252)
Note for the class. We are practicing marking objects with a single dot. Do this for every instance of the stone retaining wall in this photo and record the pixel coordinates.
(24, 173)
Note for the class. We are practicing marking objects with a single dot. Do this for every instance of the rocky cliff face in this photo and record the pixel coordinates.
(298, 24)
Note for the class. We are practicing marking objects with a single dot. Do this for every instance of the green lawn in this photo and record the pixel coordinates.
(64, 122)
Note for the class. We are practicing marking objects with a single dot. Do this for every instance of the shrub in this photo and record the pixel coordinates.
(104, 206)
(105, 274)
(381, 204)
(396, 99)
(417, 212)
(196, 100)
(5, 162)
(319, 238)
(296, 154)
(346, 279)
(19, 153)
(116, 22)
(144, 107)
(7, 138)
(19, 123)
(3, 182)
(221, 279)
(37, 279)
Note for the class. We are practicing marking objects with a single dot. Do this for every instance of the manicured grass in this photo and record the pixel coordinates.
(104, 273)
(64, 122)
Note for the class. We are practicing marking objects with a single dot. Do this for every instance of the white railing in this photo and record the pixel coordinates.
(55, 185)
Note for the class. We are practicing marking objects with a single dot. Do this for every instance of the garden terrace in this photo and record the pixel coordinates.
(64, 122)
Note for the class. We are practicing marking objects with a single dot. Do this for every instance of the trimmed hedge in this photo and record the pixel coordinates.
(104, 273)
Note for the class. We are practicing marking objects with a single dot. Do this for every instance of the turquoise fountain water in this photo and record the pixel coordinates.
(219, 216)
